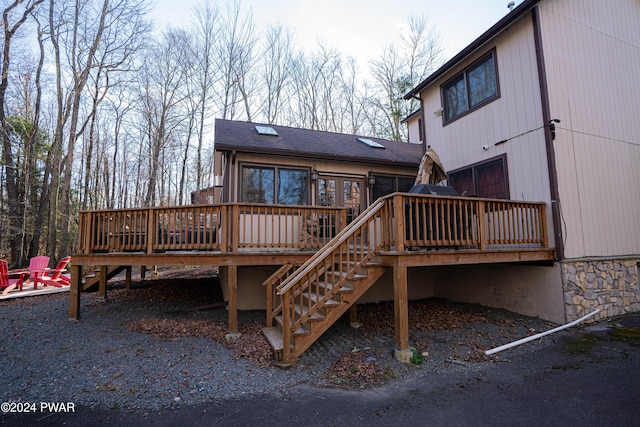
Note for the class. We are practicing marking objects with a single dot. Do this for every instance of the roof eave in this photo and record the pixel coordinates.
(497, 28)
(314, 156)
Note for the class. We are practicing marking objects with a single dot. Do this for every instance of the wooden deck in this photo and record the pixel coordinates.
(398, 231)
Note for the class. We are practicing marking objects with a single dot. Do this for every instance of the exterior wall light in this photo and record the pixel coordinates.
(371, 180)
(314, 174)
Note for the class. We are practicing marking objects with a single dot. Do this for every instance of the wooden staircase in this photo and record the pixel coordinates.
(303, 303)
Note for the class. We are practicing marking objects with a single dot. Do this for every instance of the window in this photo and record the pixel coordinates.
(471, 89)
(292, 187)
(343, 192)
(262, 184)
(371, 143)
(266, 130)
(390, 184)
(487, 179)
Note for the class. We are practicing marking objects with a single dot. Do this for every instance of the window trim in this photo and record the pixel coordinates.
(474, 166)
(464, 73)
(276, 169)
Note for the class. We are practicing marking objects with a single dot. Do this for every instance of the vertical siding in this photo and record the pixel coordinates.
(592, 55)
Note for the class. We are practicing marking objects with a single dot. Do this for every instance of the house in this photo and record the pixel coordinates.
(543, 106)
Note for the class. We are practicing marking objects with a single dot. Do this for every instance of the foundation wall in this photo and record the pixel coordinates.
(610, 285)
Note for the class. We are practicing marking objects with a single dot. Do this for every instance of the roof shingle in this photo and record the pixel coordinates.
(241, 136)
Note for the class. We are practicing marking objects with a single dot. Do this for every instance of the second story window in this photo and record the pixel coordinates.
(474, 87)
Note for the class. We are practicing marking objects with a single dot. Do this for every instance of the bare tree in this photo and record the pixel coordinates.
(318, 89)
(13, 201)
(235, 52)
(89, 35)
(162, 97)
(400, 67)
(206, 33)
(276, 71)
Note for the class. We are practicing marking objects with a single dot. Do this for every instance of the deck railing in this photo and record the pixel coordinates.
(443, 221)
(410, 221)
(221, 227)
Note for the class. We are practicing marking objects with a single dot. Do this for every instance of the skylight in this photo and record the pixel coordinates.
(266, 130)
(371, 143)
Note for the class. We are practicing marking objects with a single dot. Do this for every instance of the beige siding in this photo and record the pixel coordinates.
(592, 58)
(413, 129)
(517, 111)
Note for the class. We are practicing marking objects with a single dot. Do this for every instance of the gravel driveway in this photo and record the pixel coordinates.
(150, 348)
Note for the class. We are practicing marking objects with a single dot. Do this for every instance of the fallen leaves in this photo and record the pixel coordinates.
(252, 345)
(358, 370)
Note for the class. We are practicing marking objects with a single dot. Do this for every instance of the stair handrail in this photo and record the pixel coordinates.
(281, 274)
(313, 269)
(338, 240)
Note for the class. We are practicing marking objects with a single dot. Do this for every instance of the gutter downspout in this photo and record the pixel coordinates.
(546, 117)
(422, 129)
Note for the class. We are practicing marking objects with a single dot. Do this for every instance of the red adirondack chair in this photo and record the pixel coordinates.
(6, 281)
(54, 277)
(37, 266)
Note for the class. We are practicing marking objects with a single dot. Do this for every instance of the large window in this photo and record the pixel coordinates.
(390, 184)
(488, 179)
(470, 89)
(285, 186)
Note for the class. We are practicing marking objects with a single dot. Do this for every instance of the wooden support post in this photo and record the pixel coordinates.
(127, 280)
(232, 296)
(353, 317)
(482, 226)
(235, 228)
(143, 272)
(102, 284)
(151, 227)
(399, 226)
(74, 292)
(401, 307)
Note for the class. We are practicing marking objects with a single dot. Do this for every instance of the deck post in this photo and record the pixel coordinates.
(399, 226)
(401, 307)
(482, 226)
(232, 297)
(127, 280)
(102, 284)
(151, 225)
(353, 317)
(235, 228)
(74, 292)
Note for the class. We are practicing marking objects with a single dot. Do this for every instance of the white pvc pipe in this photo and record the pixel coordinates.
(540, 335)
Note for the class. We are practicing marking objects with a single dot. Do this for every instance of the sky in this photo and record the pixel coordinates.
(358, 28)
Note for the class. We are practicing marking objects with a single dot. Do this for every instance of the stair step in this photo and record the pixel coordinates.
(328, 303)
(274, 336)
(341, 275)
(304, 310)
(302, 330)
(344, 289)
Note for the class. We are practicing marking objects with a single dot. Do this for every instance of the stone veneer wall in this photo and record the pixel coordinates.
(609, 285)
